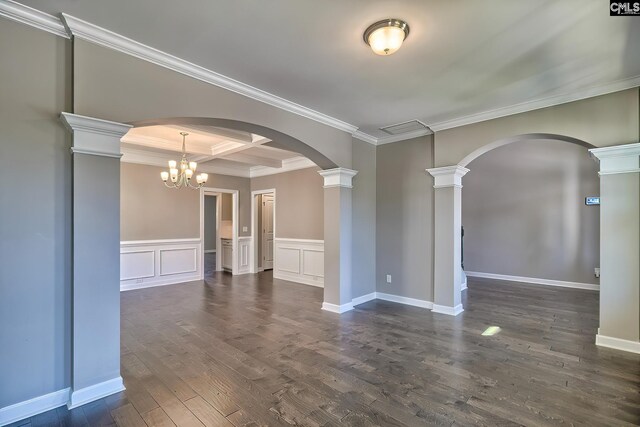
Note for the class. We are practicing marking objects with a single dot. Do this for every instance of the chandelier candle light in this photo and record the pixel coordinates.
(182, 177)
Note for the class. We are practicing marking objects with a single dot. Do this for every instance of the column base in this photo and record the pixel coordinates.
(618, 343)
(95, 392)
(445, 309)
(334, 308)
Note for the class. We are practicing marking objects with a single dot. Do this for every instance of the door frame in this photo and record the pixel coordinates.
(253, 252)
(234, 230)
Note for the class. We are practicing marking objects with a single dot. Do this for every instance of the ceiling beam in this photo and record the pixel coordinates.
(254, 160)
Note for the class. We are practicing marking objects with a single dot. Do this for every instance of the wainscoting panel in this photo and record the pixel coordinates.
(299, 260)
(244, 248)
(146, 263)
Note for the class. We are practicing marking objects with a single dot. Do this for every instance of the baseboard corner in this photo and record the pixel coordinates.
(95, 392)
(445, 309)
(334, 308)
(617, 343)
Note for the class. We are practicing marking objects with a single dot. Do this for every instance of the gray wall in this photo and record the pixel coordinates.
(524, 214)
(299, 202)
(149, 210)
(209, 223)
(404, 214)
(35, 220)
(364, 219)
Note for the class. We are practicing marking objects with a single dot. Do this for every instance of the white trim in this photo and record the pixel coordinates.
(210, 251)
(404, 300)
(94, 136)
(533, 280)
(448, 176)
(618, 159)
(445, 309)
(299, 260)
(75, 150)
(282, 239)
(618, 172)
(364, 298)
(551, 101)
(37, 405)
(32, 17)
(618, 343)
(253, 251)
(362, 136)
(338, 177)
(403, 136)
(235, 270)
(288, 165)
(463, 285)
(95, 392)
(128, 243)
(103, 37)
(334, 308)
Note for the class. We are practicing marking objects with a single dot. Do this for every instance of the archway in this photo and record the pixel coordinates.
(96, 247)
(448, 274)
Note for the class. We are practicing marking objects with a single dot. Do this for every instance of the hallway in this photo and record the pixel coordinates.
(259, 350)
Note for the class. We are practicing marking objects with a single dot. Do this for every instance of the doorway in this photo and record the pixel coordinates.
(226, 230)
(211, 233)
(263, 205)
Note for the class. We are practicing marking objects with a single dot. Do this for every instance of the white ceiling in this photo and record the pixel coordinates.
(216, 150)
(461, 58)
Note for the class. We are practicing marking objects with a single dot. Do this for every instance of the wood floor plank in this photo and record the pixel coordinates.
(127, 416)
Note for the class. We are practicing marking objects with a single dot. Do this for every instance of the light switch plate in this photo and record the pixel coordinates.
(245, 229)
(388, 278)
(597, 272)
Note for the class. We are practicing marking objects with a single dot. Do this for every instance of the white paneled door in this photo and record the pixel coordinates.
(267, 231)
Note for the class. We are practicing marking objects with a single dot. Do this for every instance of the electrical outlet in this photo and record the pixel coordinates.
(245, 229)
(597, 271)
(388, 278)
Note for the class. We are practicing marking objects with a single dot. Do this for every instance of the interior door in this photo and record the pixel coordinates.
(267, 231)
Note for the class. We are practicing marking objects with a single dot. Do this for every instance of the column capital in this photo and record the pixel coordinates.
(95, 136)
(618, 159)
(338, 177)
(448, 176)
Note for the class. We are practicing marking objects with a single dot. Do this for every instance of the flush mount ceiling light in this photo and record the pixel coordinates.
(386, 36)
(181, 178)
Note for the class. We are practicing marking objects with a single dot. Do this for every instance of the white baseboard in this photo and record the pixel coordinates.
(210, 251)
(298, 278)
(35, 406)
(334, 308)
(618, 344)
(533, 280)
(95, 392)
(404, 300)
(363, 299)
(159, 282)
(445, 309)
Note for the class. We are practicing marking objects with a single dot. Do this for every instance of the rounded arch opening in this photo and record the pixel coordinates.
(279, 139)
(518, 138)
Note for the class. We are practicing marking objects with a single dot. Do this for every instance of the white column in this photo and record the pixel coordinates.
(619, 247)
(95, 320)
(447, 297)
(337, 239)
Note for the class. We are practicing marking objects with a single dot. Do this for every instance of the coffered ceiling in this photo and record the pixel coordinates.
(464, 60)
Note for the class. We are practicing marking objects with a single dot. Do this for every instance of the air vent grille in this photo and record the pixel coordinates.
(404, 127)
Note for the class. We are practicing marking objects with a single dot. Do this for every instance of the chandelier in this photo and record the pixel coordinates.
(182, 177)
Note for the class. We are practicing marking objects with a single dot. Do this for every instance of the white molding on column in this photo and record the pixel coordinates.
(448, 176)
(618, 344)
(335, 308)
(35, 406)
(95, 136)
(32, 17)
(95, 392)
(445, 309)
(618, 159)
(338, 177)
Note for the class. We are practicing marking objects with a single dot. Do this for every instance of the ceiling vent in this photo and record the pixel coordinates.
(405, 127)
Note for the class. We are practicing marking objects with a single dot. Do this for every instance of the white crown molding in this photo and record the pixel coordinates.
(403, 137)
(365, 137)
(93, 136)
(32, 17)
(537, 104)
(338, 177)
(103, 37)
(448, 176)
(288, 165)
(618, 159)
(533, 280)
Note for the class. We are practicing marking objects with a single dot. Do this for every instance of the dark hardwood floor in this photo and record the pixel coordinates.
(255, 351)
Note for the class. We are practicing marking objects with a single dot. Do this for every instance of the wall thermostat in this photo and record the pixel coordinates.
(591, 200)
